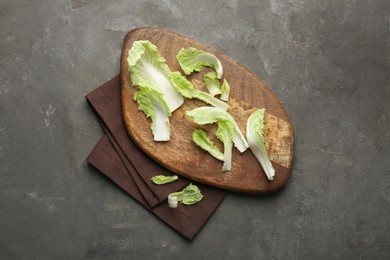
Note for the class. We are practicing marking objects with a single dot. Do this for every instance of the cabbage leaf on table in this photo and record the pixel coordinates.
(228, 131)
(185, 88)
(255, 135)
(200, 138)
(225, 91)
(151, 102)
(212, 83)
(148, 69)
(192, 59)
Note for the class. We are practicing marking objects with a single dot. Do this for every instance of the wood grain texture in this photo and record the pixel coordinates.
(180, 154)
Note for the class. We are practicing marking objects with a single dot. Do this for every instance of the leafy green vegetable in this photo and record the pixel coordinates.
(188, 196)
(148, 69)
(182, 85)
(225, 135)
(151, 102)
(162, 179)
(228, 131)
(200, 138)
(192, 59)
(209, 115)
(225, 90)
(256, 140)
(212, 83)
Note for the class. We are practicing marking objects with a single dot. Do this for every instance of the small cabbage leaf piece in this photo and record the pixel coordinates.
(256, 140)
(185, 88)
(162, 179)
(227, 132)
(192, 59)
(151, 102)
(225, 135)
(200, 138)
(148, 69)
(225, 91)
(212, 83)
(188, 196)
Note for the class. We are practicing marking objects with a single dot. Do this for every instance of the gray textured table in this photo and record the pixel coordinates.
(329, 63)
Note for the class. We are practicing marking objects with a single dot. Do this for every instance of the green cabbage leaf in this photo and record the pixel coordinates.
(148, 69)
(227, 132)
(188, 196)
(225, 91)
(162, 179)
(192, 59)
(151, 102)
(256, 140)
(210, 115)
(185, 88)
(212, 83)
(200, 138)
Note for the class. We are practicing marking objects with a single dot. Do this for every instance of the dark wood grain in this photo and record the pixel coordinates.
(180, 154)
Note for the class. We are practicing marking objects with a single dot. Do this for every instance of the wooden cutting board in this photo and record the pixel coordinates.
(180, 154)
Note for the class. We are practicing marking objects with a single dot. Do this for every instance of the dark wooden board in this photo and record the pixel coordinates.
(180, 154)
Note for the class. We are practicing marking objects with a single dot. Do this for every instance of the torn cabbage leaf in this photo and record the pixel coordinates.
(151, 102)
(148, 69)
(188, 196)
(209, 115)
(256, 140)
(192, 59)
(162, 179)
(185, 88)
(212, 83)
(225, 135)
(200, 138)
(225, 91)
(227, 132)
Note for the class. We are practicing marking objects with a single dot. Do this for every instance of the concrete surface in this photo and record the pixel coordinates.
(329, 63)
